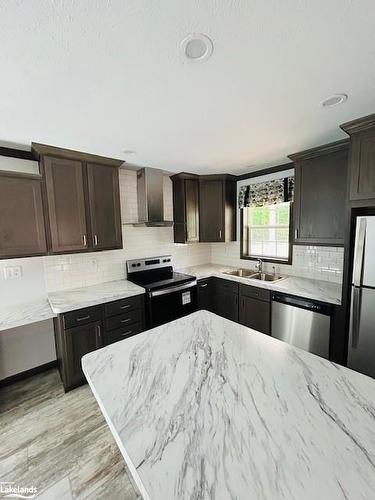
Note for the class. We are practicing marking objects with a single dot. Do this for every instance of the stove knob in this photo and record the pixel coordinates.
(133, 265)
(138, 264)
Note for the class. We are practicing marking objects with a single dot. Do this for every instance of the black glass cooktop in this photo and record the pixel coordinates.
(158, 279)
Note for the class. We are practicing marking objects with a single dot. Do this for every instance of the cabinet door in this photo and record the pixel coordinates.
(320, 198)
(21, 220)
(362, 166)
(205, 294)
(192, 209)
(104, 203)
(226, 304)
(66, 204)
(79, 341)
(255, 314)
(211, 210)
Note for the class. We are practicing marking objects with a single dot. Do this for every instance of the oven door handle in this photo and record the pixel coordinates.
(173, 289)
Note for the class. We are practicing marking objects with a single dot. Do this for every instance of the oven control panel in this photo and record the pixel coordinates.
(149, 263)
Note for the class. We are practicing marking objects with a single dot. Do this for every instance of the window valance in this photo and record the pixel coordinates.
(266, 193)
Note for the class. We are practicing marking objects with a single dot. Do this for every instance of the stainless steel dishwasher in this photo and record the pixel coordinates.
(303, 323)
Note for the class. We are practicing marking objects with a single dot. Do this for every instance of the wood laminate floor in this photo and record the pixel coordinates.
(59, 443)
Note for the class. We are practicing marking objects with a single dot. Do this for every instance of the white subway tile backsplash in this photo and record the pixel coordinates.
(323, 263)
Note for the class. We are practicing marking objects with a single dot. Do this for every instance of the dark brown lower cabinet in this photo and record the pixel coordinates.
(205, 294)
(226, 298)
(79, 341)
(255, 308)
(82, 331)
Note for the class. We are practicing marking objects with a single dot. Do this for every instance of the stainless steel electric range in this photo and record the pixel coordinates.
(169, 295)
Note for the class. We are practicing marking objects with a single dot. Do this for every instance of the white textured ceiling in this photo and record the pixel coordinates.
(106, 76)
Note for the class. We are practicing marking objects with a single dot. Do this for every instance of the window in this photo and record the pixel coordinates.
(266, 232)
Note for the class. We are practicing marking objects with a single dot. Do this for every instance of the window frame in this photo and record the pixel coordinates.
(274, 260)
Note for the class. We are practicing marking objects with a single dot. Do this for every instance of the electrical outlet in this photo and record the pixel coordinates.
(12, 273)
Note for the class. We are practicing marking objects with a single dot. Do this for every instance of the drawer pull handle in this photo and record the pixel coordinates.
(204, 285)
(125, 307)
(126, 320)
(126, 333)
(83, 318)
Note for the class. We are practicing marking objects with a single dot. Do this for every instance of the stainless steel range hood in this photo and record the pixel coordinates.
(150, 198)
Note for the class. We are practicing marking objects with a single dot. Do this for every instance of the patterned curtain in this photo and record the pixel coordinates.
(266, 193)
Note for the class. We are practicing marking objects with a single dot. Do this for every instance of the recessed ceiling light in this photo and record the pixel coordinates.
(129, 152)
(334, 100)
(197, 47)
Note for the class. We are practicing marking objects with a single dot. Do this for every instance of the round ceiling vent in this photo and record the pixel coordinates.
(334, 100)
(197, 47)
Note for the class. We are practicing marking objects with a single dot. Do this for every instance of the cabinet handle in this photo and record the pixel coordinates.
(95, 240)
(125, 307)
(84, 240)
(83, 318)
(296, 234)
(126, 320)
(99, 332)
(126, 333)
(220, 234)
(204, 285)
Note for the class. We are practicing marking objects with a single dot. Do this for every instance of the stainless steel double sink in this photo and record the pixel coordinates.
(254, 275)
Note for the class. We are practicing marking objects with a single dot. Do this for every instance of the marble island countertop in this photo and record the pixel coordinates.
(77, 298)
(324, 291)
(206, 408)
(25, 313)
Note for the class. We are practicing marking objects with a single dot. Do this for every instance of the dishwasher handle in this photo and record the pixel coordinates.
(308, 304)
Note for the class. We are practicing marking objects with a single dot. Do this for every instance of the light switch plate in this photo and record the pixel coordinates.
(12, 272)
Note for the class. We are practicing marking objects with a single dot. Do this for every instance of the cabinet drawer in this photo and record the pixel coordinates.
(82, 317)
(232, 286)
(123, 305)
(204, 283)
(122, 333)
(123, 320)
(255, 293)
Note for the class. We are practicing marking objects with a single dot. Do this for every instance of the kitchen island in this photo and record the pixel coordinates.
(206, 408)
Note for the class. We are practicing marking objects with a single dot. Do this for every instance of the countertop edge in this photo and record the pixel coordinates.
(115, 435)
(268, 286)
(91, 303)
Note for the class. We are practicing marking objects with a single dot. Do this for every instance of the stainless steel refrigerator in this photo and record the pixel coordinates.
(361, 351)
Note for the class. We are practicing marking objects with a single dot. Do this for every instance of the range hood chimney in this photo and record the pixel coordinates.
(150, 198)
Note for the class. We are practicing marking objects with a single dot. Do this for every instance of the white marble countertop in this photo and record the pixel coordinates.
(206, 408)
(77, 298)
(25, 313)
(324, 291)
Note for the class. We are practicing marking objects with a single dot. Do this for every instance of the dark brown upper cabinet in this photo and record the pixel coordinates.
(320, 194)
(21, 216)
(217, 208)
(66, 204)
(361, 158)
(104, 206)
(185, 207)
(81, 198)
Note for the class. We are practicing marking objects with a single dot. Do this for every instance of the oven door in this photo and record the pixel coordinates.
(171, 303)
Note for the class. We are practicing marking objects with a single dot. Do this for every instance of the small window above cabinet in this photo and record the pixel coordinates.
(81, 198)
(320, 194)
(185, 207)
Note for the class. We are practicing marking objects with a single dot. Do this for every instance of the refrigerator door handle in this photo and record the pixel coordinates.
(356, 315)
(359, 253)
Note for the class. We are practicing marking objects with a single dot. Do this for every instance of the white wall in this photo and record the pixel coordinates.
(26, 347)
